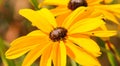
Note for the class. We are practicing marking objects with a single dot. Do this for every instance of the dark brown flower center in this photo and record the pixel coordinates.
(58, 34)
(73, 4)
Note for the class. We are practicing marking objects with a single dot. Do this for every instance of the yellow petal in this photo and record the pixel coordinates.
(114, 6)
(81, 56)
(95, 13)
(55, 54)
(61, 18)
(118, 15)
(48, 15)
(46, 57)
(90, 1)
(109, 16)
(37, 19)
(15, 53)
(78, 35)
(68, 21)
(23, 44)
(103, 27)
(86, 14)
(62, 54)
(93, 2)
(28, 40)
(101, 33)
(55, 2)
(36, 33)
(84, 25)
(87, 44)
(70, 52)
(59, 54)
(60, 10)
(34, 54)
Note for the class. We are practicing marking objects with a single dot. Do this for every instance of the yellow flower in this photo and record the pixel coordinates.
(65, 6)
(58, 39)
(110, 12)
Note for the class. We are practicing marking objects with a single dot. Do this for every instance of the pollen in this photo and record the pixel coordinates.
(73, 4)
(58, 34)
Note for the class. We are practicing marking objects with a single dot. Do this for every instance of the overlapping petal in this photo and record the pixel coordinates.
(59, 54)
(81, 55)
(35, 53)
(61, 18)
(87, 44)
(14, 53)
(85, 25)
(60, 10)
(109, 11)
(94, 13)
(109, 16)
(55, 54)
(37, 33)
(93, 2)
(48, 15)
(101, 33)
(114, 6)
(46, 57)
(39, 18)
(68, 21)
(86, 14)
(24, 44)
(118, 15)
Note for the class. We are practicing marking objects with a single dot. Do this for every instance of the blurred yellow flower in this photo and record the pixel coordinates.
(58, 39)
(65, 6)
(110, 12)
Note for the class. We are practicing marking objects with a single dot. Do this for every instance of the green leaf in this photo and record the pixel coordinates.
(100, 42)
(111, 59)
(73, 63)
(110, 55)
(35, 4)
(5, 61)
